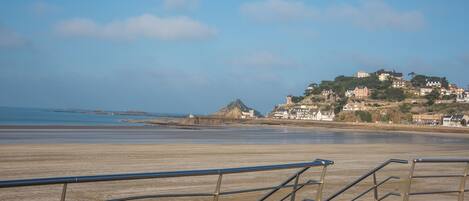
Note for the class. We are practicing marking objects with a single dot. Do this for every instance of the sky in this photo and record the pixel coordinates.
(195, 56)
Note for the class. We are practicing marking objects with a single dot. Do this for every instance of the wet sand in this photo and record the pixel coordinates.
(352, 160)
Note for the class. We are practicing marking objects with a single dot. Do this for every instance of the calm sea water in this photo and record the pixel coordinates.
(251, 135)
(162, 135)
(33, 116)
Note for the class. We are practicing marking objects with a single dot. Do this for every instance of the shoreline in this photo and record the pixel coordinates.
(201, 122)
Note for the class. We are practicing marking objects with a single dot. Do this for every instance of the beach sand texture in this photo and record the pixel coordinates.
(31, 161)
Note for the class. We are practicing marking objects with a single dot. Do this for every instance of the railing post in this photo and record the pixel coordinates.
(216, 194)
(409, 182)
(64, 192)
(293, 193)
(462, 185)
(321, 183)
(375, 191)
(282, 184)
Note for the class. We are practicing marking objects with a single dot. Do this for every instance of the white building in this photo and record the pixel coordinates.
(362, 74)
(459, 120)
(304, 114)
(398, 84)
(383, 76)
(281, 114)
(425, 91)
(433, 84)
(463, 98)
(248, 115)
(326, 116)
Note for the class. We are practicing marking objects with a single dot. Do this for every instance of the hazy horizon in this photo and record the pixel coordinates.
(195, 56)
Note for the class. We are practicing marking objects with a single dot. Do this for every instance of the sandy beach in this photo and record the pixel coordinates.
(48, 160)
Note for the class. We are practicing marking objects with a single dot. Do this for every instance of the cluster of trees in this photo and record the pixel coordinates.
(342, 83)
(390, 94)
(381, 89)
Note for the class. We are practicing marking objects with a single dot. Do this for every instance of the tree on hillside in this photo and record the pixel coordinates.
(432, 96)
(390, 94)
(411, 74)
(394, 94)
(296, 99)
(419, 81)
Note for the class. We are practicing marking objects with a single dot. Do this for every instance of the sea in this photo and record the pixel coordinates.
(141, 134)
(42, 116)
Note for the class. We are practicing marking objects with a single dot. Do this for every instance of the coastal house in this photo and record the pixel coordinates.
(361, 92)
(399, 84)
(458, 120)
(425, 91)
(280, 114)
(463, 98)
(248, 115)
(427, 119)
(325, 116)
(362, 74)
(304, 113)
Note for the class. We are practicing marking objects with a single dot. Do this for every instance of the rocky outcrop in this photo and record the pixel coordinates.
(237, 110)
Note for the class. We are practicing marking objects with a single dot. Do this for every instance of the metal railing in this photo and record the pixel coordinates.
(462, 183)
(296, 186)
(375, 186)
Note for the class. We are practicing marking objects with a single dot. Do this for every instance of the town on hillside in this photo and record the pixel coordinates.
(380, 97)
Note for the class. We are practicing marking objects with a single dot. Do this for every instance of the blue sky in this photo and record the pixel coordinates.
(194, 56)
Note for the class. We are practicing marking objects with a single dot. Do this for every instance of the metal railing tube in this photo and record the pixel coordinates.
(355, 182)
(153, 175)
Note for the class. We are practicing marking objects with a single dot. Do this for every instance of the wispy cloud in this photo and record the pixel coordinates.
(146, 26)
(277, 10)
(368, 14)
(376, 14)
(180, 4)
(9, 38)
(42, 8)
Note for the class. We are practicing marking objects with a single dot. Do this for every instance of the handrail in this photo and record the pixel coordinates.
(462, 182)
(369, 173)
(153, 175)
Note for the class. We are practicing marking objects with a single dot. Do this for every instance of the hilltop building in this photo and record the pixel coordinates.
(384, 75)
(433, 83)
(362, 74)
